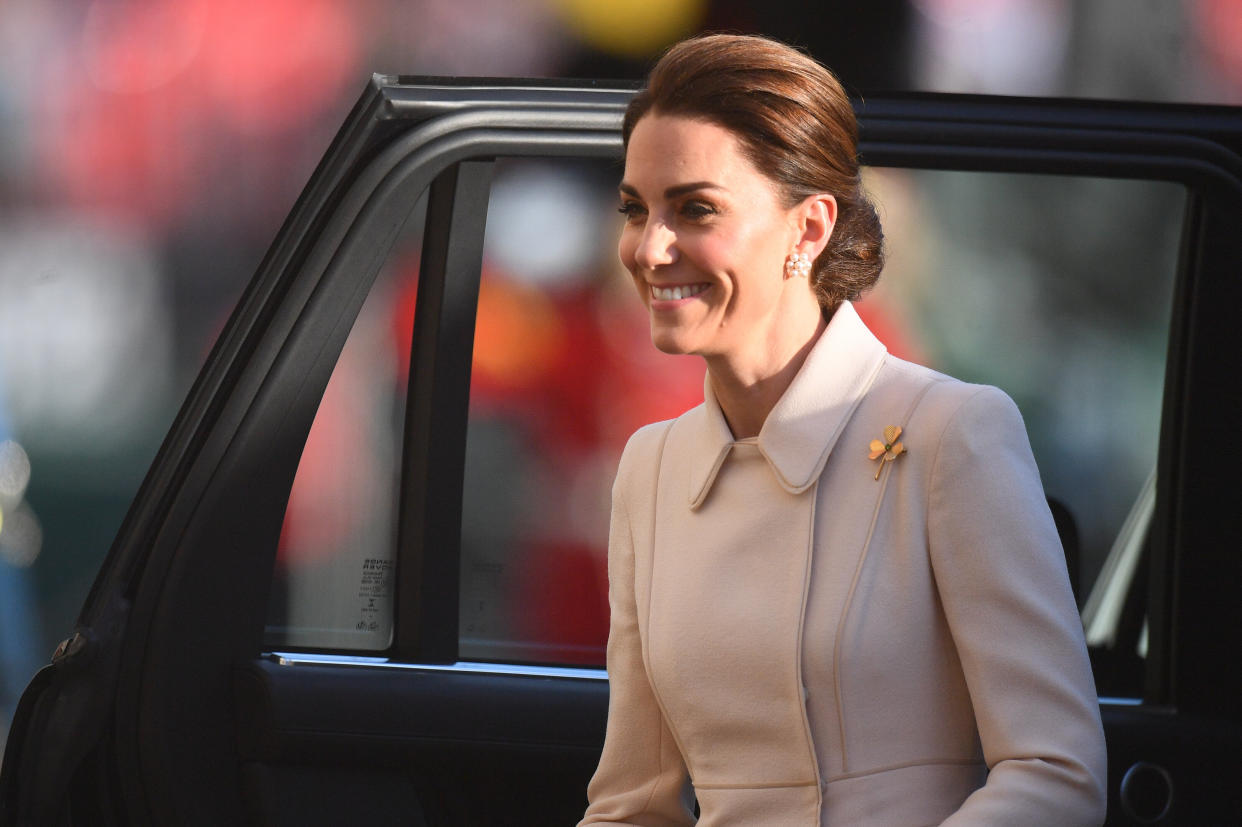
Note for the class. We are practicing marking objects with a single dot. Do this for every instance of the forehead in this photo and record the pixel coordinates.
(665, 150)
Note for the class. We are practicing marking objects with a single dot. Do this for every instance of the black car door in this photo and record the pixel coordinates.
(285, 632)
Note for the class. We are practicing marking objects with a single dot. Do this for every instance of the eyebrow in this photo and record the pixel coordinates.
(675, 191)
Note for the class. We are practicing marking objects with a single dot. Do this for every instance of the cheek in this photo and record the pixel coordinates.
(626, 248)
(761, 258)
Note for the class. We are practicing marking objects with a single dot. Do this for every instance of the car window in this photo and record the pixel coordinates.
(1057, 289)
(563, 373)
(335, 570)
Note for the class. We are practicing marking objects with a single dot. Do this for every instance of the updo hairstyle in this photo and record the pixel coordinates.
(794, 122)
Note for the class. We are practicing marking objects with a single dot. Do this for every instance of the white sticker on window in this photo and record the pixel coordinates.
(374, 594)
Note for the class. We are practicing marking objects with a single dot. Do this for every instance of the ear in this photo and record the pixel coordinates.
(815, 217)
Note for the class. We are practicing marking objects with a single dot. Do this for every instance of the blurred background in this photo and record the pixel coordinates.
(149, 150)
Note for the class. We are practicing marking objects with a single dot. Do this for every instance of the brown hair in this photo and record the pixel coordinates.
(795, 124)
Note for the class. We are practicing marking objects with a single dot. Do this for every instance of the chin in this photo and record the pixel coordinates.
(667, 341)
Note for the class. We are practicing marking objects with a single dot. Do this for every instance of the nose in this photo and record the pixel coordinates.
(656, 246)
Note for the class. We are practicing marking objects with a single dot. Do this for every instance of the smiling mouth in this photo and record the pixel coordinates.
(676, 292)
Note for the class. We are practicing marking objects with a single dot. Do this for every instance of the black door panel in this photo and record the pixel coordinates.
(489, 748)
(1196, 757)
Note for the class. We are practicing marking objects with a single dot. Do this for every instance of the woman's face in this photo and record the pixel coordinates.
(706, 237)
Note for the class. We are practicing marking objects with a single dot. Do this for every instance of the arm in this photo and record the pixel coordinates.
(641, 779)
(1001, 575)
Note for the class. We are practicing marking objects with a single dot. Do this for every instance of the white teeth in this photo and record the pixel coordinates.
(678, 292)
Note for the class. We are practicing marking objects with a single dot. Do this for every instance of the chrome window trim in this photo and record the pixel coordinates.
(466, 667)
(473, 667)
(1107, 700)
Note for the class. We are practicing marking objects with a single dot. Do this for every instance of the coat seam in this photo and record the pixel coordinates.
(775, 785)
(629, 527)
(925, 762)
(800, 676)
(935, 465)
(646, 649)
(655, 782)
(838, 637)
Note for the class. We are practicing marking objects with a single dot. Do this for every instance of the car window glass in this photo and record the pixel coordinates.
(334, 577)
(1058, 290)
(1055, 288)
(563, 372)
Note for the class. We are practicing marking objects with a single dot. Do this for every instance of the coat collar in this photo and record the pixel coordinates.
(800, 431)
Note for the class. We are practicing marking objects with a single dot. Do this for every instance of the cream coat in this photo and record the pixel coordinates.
(806, 645)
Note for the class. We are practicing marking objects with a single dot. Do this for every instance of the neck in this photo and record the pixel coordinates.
(748, 388)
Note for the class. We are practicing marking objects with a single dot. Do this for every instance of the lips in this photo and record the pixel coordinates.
(675, 292)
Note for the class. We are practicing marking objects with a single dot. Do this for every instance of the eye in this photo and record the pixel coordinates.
(632, 210)
(697, 210)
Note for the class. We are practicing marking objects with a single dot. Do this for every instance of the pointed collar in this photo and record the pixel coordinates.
(800, 431)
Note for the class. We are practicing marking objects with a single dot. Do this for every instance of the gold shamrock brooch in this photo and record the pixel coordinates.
(889, 449)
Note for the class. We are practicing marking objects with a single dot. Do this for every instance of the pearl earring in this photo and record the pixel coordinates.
(798, 264)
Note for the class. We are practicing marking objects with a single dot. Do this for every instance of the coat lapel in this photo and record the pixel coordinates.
(802, 429)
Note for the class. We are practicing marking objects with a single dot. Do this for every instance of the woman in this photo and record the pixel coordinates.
(837, 594)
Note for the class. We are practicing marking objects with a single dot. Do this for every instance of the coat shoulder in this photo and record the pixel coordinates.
(642, 452)
(943, 397)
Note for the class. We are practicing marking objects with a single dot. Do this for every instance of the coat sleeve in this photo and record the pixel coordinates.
(1000, 572)
(641, 778)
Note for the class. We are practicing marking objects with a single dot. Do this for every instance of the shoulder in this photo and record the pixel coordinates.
(976, 439)
(644, 444)
(943, 401)
(959, 424)
(642, 453)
